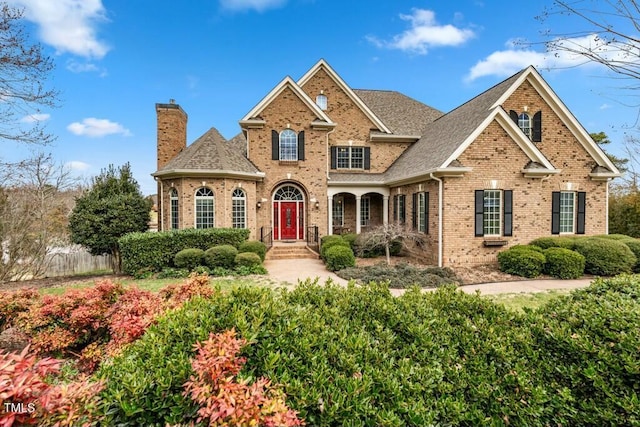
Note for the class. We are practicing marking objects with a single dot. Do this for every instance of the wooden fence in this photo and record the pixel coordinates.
(67, 264)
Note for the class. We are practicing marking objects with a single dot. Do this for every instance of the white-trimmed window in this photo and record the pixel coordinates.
(422, 209)
(238, 209)
(524, 123)
(365, 211)
(288, 145)
(491, 217)
(321, 101)
(350, 158)
(338, 211)
(400, 208)
(567, 211)
(205, 208)
(173, 211)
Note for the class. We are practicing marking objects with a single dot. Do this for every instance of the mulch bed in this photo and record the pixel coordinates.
(50, 282)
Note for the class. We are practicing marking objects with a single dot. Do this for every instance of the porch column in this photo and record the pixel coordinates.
(358, 214)
(330, 214)
(385, 210)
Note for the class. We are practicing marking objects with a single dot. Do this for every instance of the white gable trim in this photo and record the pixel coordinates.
(551, 98)
(322, 64)
(287, 82)
(503, 119)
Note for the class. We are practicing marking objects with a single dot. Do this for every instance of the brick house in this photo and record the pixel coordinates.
(509, 165)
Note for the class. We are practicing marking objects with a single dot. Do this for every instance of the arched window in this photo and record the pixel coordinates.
(288, 192)
(524, 123)
(288, 145)
(321, 101)
(173, 196)
(238, 209)
(205, 215)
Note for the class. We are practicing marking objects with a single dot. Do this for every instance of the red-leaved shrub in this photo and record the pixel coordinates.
(226, 401)
(13, 304)
(196, 285)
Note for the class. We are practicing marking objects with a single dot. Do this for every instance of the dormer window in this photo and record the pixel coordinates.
(321, 101)
(530, 126)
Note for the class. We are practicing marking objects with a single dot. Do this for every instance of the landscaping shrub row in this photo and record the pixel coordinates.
(358, 356)
(156, 250)
(571, 257)
(223, 259)
(336, 253)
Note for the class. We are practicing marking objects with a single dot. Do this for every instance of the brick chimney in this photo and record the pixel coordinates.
(172, 131)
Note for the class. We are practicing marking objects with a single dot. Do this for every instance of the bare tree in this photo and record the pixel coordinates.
(385, 236)
(24, 70)
(35, 204)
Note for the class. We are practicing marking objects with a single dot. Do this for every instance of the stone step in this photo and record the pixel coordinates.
(296, 252)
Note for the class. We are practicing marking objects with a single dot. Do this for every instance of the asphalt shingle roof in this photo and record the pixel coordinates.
(213, 153)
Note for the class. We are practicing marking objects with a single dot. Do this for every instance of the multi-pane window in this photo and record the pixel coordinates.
(524, 123)
(288, 145)
(399, 208)
(422, 207)
(173, 196)
(350, 158)
(491, 212)
(365, 211)
(321, 101)
(238, 209)
(567, 211)
(338, 211)
(205, 215)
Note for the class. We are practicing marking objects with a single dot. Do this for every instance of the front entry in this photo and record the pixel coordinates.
(288, 213)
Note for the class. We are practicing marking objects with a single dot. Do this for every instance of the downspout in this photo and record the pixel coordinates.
(440, 208)
(606, 208)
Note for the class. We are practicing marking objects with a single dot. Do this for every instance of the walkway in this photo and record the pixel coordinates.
(291, 270)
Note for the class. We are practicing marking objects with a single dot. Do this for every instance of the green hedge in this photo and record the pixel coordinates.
(327, 242)
(563, 263)
(338, 257)
(555, 242)
(220, 256)
(156, 250)
(188, 258)
(359, 356)
(254, 246)
(521, 261)
(605, 257)
(248, 259)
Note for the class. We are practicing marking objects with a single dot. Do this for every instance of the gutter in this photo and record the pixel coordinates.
(440, 209)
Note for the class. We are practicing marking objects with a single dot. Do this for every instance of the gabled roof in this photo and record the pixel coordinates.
(210, 154)
(322, 65)
(286, 83)
(402, 115)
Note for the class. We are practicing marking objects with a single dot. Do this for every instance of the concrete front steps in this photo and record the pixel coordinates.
(295, 250)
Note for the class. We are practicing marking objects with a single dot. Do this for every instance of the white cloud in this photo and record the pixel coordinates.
(67, 25)
(509, 61)
(77, 165)
(605, 106)
(85, 67)
(425, 33)
(33, 118)
(258, 5)
(96, 128)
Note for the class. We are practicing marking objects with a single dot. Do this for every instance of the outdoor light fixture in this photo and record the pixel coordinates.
(259, 204)
(317, 204)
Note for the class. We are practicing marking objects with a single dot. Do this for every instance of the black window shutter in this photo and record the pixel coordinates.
(334, 157)
(301, 145)
(403, 211)
(414, 211)
(507, 213)
(582, 205)
(479, 213)
(426, 212)
(537, 127)
(395, 208)
(514, 116)
(555, 212)
(275, 145)
(367, 158)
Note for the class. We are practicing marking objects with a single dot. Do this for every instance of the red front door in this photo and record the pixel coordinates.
(288, 220)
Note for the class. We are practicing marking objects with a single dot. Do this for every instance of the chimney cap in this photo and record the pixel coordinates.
(172, 101)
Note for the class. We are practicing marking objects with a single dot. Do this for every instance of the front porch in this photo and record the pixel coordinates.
(357, 210)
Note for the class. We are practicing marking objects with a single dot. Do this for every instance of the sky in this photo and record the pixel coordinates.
(115, 59)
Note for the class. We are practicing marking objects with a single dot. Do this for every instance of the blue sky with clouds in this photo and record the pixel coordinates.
(217, 58)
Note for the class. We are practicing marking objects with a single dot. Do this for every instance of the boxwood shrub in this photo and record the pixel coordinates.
(329, 241)
(563, 263)
(339, 256)
(521, 261)
(605, 257)
(554, 242)
(254, 246)
(156, 250)
(188, 258)
(220, 256)
(247, 259)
